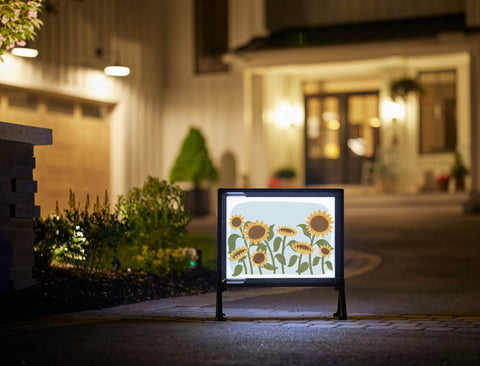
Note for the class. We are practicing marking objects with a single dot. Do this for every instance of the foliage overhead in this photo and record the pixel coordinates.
(18, 22)
(193, 163)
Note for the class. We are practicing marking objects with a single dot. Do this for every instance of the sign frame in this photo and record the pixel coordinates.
(337, 280)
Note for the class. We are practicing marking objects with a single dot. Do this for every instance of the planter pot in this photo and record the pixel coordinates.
(459, 184)
(197, 201)
(442, 185)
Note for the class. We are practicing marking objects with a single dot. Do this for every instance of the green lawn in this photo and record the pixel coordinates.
(207, 244)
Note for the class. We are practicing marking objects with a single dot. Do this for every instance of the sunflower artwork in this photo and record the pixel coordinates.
(281, 239)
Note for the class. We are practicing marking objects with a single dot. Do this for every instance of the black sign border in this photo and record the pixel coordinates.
(338, 281)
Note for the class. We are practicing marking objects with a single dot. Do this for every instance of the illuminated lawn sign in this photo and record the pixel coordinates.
(280, 237)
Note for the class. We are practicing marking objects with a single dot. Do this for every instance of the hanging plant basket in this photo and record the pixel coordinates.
(404, 86)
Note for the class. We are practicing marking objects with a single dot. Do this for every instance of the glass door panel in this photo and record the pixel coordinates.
(341, 134)
(323, 128)
(323, 140)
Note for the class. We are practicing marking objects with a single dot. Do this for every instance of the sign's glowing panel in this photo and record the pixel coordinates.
(279, 237)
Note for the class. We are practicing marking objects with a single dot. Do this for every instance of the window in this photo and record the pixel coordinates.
(60, 106)
(211, 35)
(22, 99)
(93, 110)
(438, 122)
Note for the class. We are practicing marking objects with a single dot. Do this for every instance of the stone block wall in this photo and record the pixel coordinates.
(17, 204)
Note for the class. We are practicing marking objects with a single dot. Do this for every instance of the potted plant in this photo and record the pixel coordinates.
(442, 182)
(194, 165)
(459, 171)
(283, 178)
(404, 86)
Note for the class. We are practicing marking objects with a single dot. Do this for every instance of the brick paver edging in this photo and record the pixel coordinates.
(407, 322)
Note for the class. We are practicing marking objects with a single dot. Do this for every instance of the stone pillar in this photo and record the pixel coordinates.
(17, 203)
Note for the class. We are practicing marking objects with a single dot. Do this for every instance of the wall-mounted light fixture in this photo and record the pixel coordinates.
(288, 116)
(114, 69)
(25, 51)
(393, 110)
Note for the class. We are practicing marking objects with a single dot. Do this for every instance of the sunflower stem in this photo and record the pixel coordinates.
(248, 252)
(310, 256)
(283, 253)
(323, 264)
(299, 263)
(244, 265)
(273, 258)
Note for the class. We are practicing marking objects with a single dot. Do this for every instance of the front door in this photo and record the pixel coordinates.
(341, 135)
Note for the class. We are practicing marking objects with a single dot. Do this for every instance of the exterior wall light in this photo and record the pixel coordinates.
(287, 116)
(25, 52)
(393, 110)
(117, 70)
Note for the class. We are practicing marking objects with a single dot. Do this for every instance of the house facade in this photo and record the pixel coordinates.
(303, 84)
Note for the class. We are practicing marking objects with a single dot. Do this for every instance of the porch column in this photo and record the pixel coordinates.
(473, 204)
(257, 151)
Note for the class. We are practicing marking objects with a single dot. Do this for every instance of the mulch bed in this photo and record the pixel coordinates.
(60, 291)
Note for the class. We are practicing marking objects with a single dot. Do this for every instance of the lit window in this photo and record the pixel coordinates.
(438, 122)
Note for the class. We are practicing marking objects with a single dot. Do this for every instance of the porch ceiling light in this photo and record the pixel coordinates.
(25, 52)
(117, 70)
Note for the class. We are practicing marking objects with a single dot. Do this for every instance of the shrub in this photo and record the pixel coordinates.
(50, 234)
(166, 261)
(157, 214)
(86, 241)
(151, 221)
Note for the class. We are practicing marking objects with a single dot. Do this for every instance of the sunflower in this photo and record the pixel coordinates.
(256, 232)
(259, 258)
(302, 247)
(236, 221)
(238, 254)
(319, 223)
(286, 231)
(325, 250)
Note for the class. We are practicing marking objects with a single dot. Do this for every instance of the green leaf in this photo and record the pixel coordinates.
(262, 247)
(270, 233)
(281, 258)
(293, 260)
(231, 242)
(276, 243)
(329, 265)
(291, 242)
(303, 268)
(269, 266)
(316, 260)
(238, 270)
(321, 242)
(305, 230)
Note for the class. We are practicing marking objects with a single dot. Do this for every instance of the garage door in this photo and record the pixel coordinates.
(79, 158)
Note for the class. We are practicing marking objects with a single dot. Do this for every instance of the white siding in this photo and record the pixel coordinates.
(211, 102)
(128, 32)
